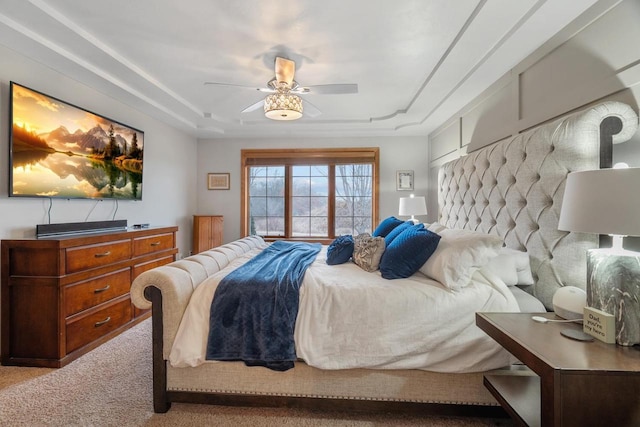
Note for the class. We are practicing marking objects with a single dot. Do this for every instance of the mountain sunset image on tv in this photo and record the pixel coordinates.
(59, 150)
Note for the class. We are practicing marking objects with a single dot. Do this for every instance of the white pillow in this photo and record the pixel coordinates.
(436, 227)
(512, 266)
(503, 265)
(523, 266)
(458, 255)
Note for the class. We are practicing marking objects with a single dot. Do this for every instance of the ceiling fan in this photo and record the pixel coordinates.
(283, 103)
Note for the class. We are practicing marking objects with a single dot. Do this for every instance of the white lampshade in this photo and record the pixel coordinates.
(602, 201)
(410, 206)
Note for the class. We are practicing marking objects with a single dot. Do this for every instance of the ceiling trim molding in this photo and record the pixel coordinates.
(445, 55)
(113, 54)
(88, 66)
(482, 60)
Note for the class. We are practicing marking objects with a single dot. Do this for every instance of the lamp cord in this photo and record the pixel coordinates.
(541, 319)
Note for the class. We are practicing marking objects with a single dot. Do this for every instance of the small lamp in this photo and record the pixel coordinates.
(607, 201)
(411, 206)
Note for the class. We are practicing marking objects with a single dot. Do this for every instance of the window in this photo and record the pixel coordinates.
(309, 194)
(310, 201)
(354, 199)
(266, 200)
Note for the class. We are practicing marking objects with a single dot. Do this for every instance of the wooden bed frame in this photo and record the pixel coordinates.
(467, 191)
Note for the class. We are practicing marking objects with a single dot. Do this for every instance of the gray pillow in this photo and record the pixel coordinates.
(367, 251)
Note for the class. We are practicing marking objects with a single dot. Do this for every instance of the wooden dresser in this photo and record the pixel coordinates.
(207, 232)
(64, 296)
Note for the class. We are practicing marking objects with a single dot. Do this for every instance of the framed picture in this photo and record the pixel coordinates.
(404, 180)
(218, 181)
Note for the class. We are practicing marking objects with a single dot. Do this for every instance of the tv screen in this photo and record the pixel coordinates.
(63, 151)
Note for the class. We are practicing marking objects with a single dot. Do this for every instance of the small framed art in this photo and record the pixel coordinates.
(404, 180)
(218, 181)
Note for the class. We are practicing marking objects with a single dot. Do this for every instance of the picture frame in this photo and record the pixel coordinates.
(218, 181)
(404, 180)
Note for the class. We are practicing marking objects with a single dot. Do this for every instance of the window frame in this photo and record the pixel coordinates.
(307, 156)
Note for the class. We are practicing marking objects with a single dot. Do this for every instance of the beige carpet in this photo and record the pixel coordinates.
(111, 386)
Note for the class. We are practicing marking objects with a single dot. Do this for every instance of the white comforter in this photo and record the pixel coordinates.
(349, 318)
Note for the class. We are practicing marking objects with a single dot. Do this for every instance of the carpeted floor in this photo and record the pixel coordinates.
(111, 386)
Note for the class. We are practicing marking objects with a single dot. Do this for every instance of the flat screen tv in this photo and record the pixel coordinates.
(63, 151)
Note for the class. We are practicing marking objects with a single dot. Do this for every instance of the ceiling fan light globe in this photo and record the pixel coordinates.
(283, 106)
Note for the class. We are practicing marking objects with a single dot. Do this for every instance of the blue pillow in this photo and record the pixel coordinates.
(396, 232)
(408, 252)
(386, 226)
(340, 250)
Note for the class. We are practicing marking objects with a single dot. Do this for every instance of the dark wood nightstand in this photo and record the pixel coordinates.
(577, 383)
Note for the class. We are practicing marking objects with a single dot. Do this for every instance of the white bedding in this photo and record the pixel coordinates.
(349, 318)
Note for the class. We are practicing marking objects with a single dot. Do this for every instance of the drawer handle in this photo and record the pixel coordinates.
(97, 291)
(102, 322)
(155, 244)
(102, 255)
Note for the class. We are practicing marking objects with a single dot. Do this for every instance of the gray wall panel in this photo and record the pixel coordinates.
(596, 59)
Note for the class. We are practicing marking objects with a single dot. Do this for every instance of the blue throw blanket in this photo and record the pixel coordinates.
(254, 309)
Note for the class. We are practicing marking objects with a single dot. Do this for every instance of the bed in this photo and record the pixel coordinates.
(509, 191)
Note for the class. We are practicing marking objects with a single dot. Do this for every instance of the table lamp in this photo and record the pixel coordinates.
(411, 206)
(607, 201)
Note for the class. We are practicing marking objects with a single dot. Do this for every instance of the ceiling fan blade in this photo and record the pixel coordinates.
(285, 70)
(333, 89)
(261, 89)
(253, 107)
(228, 84)
(309, 109)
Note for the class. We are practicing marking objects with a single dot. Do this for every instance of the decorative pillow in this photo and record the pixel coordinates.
(340, 250)
(504, 267)
(458, 255)
(408, 252)
(512, 266)
(367, 251)
(523, 266)
(436, 227)
(396, 232)
(386, 226)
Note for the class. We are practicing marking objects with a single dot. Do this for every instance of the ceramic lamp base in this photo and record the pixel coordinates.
(613, 286)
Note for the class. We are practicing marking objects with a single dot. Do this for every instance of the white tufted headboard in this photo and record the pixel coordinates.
(514, 189)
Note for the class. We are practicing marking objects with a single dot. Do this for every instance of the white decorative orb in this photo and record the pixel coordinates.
(569, 302)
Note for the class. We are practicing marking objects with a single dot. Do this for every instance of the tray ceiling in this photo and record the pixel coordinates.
(415, 62)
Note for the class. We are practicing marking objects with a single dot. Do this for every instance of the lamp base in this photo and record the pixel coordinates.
(613, 286)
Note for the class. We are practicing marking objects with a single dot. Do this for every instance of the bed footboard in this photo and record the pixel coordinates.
(233, 384)
(161, 403)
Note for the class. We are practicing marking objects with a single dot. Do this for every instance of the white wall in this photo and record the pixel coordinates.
(169, 156)
(597, 59)
(223, 155)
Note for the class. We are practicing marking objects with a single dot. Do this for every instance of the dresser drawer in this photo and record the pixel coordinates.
(83, 295)
(141, 268)
(82, 330)
(85, 257)
(147, 245)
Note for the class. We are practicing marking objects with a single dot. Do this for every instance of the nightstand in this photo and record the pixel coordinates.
(577, 383)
